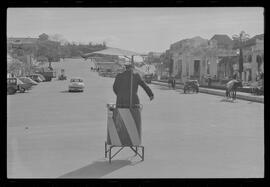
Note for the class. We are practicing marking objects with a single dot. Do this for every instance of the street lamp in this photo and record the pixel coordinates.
(241, 39)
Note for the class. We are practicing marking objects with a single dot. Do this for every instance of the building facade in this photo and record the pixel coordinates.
(200, 59)
(253, 57)
(187, 58)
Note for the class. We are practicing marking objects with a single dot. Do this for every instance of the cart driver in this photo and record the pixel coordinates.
(121, 87)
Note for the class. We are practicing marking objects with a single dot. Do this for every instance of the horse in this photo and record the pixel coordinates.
(231, 88)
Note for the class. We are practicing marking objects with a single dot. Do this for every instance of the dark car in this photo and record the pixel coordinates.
(14, 85)
(191, 85)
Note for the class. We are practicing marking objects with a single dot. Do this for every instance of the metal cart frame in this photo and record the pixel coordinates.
(108, 149)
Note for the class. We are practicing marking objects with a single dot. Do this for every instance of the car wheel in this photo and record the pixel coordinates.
(22, 90)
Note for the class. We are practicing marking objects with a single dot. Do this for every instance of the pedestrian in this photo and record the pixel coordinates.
(235, 76)
(173, 83)
(209, 81)
(122, 87)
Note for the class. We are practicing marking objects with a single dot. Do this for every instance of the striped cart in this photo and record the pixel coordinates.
(123, 130)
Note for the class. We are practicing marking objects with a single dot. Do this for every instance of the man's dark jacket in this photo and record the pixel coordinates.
(121, 88)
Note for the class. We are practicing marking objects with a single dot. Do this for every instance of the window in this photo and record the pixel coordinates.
(76, 80)
(249, 58)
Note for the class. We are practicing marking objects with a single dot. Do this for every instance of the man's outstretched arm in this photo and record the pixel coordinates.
(115, 85)
(145, 87)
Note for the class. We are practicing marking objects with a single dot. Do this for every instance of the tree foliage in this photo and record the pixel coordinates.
(47, 48)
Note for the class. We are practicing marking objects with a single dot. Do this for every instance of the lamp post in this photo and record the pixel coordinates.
(240, 39)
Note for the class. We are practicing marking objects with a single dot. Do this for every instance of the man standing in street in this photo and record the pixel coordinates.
(122, 87)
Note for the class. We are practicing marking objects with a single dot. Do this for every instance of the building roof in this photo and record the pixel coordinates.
(251, 41)
(189, 42)
(259, 36)
(155, 54)
(222, 39)
(113, 51)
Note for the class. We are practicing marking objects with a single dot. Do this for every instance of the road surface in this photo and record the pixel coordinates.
(52, 133)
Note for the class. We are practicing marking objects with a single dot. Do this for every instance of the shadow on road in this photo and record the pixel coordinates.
(161, 87)
(66, 91)
(227, 100)
(97, 169)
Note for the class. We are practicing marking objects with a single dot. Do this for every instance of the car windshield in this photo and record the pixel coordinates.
(76, 80)
(11, 81)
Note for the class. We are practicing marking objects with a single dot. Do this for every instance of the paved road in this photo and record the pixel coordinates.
(53, 133)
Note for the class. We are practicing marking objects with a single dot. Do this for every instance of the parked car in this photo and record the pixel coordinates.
(28, 80)
(37, 77)
(48, 73)
(76, 84)
(191, 85)
(14, 85)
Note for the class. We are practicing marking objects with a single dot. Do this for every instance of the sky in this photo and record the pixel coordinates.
(137, 29)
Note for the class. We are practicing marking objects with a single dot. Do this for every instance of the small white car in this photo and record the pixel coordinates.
(76, 84)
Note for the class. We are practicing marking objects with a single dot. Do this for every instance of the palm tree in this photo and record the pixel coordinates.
(239, 43)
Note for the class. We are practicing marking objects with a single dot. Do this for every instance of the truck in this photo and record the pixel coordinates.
(48, 73)
(62, 76)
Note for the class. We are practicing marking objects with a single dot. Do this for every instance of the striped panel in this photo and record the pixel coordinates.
(136, 114)
(108, 138)
(121, 129)
(112, 135)
(130, 125)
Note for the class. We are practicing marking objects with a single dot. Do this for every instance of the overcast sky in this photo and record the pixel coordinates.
(137, 29)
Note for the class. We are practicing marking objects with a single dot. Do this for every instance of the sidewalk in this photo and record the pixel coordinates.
(239, 95)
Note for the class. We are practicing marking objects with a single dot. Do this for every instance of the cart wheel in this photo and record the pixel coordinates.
(110, 154)
(142, 153)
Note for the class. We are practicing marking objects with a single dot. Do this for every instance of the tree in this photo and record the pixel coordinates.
(43, 37)
(166, 58)
(47, 48)
(14, 66)
(239, 43)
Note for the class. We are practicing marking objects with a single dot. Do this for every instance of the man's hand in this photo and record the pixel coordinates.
(151, 98)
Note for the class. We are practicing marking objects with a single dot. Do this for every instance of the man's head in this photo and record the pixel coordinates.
(128, 65)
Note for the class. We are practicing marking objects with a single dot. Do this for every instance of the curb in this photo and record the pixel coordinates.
(218, 92)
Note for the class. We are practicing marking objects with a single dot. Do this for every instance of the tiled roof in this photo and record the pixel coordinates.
(114, 51)
(252, 41)
(260, 37)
